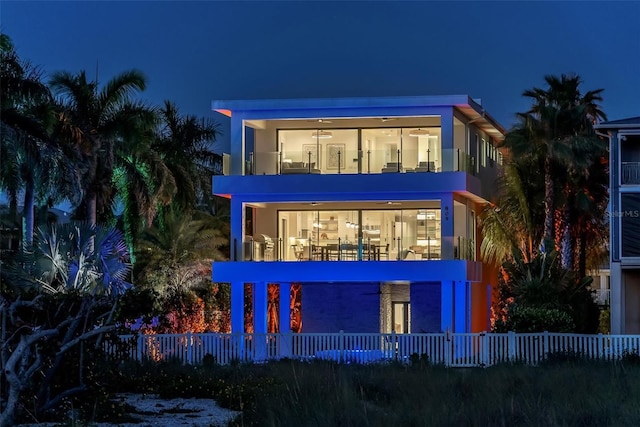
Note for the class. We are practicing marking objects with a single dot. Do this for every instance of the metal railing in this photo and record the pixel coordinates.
(449, 349)
(630, 173)
(353, 161)
(399, 249)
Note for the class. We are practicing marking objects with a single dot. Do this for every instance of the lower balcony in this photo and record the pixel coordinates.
(264, 248)
(339, 271)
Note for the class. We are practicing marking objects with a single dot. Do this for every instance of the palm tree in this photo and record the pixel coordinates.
(180, 252)
(28, 118)
(512, 224)
(98, 122)
(559, 129)
(184, 144)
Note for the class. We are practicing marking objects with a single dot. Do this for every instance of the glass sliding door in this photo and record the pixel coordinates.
(360, 234)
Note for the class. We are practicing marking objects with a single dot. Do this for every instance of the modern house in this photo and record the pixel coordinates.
(624, 224)
(360, 212)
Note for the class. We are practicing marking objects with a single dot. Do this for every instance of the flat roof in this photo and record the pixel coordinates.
(473, 110)
(632, 122)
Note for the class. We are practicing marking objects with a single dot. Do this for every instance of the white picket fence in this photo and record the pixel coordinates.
(449, 349)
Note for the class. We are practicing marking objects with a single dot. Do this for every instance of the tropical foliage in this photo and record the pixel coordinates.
(562, 209)
(139, 179)
(58, 298)
(33, 161)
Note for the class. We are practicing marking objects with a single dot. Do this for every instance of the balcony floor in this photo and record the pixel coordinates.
(352, 271)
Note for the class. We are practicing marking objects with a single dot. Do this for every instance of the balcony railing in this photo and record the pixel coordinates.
(346, 161)
(445, 248)
(630, 174)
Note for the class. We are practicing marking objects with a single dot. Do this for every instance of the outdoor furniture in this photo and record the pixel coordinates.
(392, 167)
(298, 168)
(426, 167)
(349, 251)
(381, 254)
(407, 254)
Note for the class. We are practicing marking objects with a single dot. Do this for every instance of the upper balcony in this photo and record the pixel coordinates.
(341, 160)
(630, 160)
(360, 136)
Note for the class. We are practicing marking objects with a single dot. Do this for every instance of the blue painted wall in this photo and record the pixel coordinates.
(425, 307)
(334, 307)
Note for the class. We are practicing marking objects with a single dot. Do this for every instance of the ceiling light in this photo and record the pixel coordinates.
(322, 134)
(418, 132)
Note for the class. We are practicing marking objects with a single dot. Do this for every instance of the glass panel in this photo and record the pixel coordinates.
(335, 151)
(327, 151)
(422, 150)
(350, 235)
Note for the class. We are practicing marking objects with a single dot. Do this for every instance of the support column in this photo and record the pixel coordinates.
(260, 320)
(285, 319)
(446, 226)
(461, 306)
(237, 145)
(446, 305)
(446, 138)
(237, 307)
(616, 300)
(237, 229)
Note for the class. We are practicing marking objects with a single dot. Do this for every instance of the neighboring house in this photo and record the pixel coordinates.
(367, 206)
(624, 199)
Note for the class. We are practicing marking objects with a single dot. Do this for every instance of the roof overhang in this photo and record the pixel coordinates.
(471, 109)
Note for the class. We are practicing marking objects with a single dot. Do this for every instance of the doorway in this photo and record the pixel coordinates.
(400, 317)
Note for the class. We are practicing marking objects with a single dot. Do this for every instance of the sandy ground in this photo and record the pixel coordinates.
(155, 412)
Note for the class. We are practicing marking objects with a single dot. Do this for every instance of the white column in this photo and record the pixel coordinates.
(461, 306)
(616, 303)
(260, 319)
(237, 229)
(237, 145)
(446, 305)
(285, 319)
(447, 231)
(237, 307)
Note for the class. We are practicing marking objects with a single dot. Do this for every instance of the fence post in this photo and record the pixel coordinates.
(448, 348)
(545, 343)
(600, 345)
(341, 347)
(484, 345)
(139, 345)
(189, 348)
(394, 350)
(511, 339)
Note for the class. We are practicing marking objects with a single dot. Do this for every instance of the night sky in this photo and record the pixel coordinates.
(193, 52)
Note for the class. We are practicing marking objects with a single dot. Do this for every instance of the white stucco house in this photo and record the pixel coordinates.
(366, 206)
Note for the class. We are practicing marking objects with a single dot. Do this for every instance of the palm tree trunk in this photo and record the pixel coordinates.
(13, 204)
(27, 237)
(91, 208)
(566, 255)
(548, 200)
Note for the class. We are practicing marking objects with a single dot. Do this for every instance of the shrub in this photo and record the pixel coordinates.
(534, 319)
